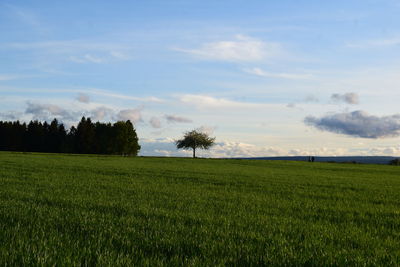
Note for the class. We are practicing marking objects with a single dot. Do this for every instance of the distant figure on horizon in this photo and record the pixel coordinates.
(312, 159)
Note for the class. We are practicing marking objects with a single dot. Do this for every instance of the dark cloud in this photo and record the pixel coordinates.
(83, 98)
(358, 124)
(348, 98)
(173, 119)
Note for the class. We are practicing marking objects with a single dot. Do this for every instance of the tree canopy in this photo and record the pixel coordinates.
(195, 139)
(119, 138)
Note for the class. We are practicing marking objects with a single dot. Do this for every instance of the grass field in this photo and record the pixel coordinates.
(84, 210)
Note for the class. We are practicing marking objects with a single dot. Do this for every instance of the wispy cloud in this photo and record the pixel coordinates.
(241, 48)
(376, 43)
(7, 77)
(107, 57)
(290, 76)
(64, 46)
(357, 124)
(203, 101)
(127, 97)
(91, 91)
(27, 17)
(120, 55)
(78, 51)
(87, 58)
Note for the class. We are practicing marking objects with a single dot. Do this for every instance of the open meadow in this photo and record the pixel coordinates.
(107, 210)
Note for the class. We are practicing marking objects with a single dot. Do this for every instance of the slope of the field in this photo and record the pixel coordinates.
(74, 210)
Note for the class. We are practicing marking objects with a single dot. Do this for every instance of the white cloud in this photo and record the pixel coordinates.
(242, 48)
(72, 112)
(206, 129)
(290, 76)
(104, 58)
(203, 101)
(119, 55)
(100, 113)
(133, 115)
(87, 58)
(229, 149)
(50, 111)
(126, 97)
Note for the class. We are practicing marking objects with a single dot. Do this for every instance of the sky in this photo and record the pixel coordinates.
(266, 78)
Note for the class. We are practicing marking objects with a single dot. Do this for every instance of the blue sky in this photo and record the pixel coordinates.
(266, 78)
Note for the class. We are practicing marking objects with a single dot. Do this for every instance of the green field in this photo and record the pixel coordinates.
(84, 210)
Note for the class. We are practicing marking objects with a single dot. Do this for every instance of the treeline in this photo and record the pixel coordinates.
(87, 138)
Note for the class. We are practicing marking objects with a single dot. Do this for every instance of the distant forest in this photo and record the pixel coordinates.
(87, 138)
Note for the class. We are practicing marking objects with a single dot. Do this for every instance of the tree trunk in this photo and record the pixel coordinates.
(194, 152)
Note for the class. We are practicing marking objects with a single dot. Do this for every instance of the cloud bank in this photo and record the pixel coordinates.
(228, 149)
(357, 124)
(47, 112)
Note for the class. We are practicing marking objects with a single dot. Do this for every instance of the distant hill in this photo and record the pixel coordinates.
(347, 159)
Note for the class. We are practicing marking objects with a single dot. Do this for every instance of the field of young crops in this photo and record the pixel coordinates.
(109, 210)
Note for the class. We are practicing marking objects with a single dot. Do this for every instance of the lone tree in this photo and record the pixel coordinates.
(195, 139)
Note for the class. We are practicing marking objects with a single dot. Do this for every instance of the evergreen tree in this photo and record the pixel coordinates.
(102, 138)
(85, 135)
